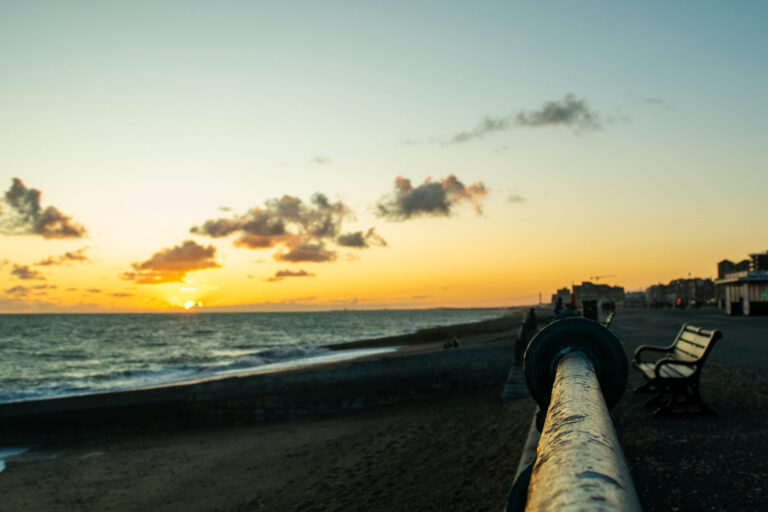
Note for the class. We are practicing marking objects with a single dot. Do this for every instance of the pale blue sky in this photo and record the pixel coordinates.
(124, 113)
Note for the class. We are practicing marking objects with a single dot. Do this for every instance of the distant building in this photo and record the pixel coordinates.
(635, 300)
(743, 288)
(759, 261)
(726, 267)
(745, 293)
(598, 292)
(564, 294)
(681, 293)
(656, 296)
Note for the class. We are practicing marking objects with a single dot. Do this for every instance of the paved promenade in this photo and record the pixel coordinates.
(744, 343)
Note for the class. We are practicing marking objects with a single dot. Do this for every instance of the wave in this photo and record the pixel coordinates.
(271, 359)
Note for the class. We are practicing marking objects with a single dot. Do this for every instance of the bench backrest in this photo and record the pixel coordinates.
(694, 343)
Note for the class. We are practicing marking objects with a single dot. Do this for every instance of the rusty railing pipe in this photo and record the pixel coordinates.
(576, 371)
(579, 465)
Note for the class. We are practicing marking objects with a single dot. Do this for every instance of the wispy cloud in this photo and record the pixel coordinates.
(22, 214)
(77, 256)
(282, 274)
(26, 273)
(322, 160)
(569, 112)
(171, 265)
(431, 198)
(516, 199)
(658, 102)
(306, 251)
(360, 239)
(17, 291)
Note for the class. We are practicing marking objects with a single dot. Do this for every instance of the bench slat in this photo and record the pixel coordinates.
(694, 339)
(686, 355)
(676, 371)
(668, 370)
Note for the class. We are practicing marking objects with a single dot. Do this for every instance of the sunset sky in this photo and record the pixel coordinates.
(312, 155)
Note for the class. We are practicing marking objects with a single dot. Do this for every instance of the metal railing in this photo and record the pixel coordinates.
(576, 370)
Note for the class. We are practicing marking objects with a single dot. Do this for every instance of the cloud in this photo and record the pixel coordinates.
(121, 295)
(301, 229)
(171, 265)
(26, 273)
(306, 251)
(17, 291)
(569, 111)
(486, 126)
(516, 198)
(658, 102)
(282, 274)
(23, 215)
(322, 160)
(433, 198)
(77, 256)
(360, 240)
(93, 290)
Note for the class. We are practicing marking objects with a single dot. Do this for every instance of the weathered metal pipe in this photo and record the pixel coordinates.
(576, 370)
(579, 465)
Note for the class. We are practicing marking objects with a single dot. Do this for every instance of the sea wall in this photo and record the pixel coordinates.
(258, 397)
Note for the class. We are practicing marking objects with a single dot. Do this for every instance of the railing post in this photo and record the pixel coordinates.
(576, 370)
(524, 335)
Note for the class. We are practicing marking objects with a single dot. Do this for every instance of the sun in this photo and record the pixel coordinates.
(189, 304)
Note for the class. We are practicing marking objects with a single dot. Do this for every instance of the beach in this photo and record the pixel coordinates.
(456, 449)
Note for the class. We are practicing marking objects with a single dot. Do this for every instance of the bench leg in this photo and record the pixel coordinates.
(657, 401)
(696, 397)
(684, 400)
(648, 387)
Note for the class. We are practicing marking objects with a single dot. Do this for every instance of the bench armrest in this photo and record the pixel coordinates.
(650, 348)
(676, 362)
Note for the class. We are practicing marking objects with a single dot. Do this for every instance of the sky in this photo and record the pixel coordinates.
(264, 156)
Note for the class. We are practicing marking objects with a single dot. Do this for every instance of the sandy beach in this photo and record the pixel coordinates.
(456, 450)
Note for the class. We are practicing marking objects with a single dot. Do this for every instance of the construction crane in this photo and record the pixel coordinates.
(597, 278)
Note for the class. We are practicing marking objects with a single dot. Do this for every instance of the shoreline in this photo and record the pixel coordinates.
(403, 342)
(416, 367)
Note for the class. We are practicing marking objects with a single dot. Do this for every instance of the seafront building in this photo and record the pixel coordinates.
(744, 291)
(590, 292)
(564, 294)
(681, 293)
(727, 267)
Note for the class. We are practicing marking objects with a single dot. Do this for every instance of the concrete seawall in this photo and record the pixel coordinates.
(326, 389)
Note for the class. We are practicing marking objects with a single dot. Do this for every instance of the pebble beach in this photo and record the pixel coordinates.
(455, 450)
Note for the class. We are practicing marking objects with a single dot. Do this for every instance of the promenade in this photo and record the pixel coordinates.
(744, 343)
(700, 462)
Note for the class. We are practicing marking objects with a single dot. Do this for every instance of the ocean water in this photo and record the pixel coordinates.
(43, 356)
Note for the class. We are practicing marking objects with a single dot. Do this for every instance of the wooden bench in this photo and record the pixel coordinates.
(675, 376)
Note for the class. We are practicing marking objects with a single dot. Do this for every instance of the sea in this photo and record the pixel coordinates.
(52, 355)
